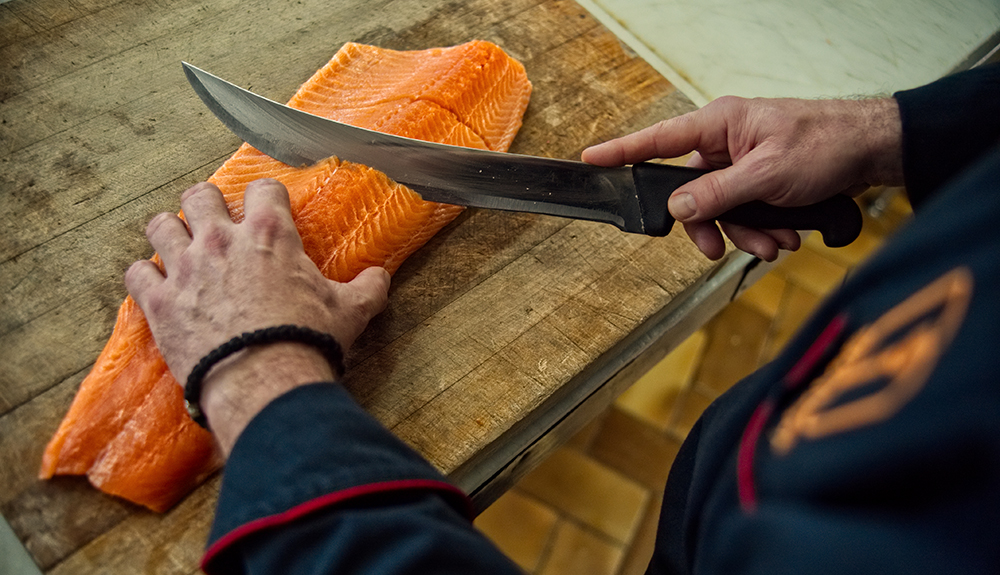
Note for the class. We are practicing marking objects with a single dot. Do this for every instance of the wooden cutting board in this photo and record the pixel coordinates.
(494, 320)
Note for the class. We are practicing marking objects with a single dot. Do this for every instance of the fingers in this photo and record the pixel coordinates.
(666, 139)
(786, 239)
(140, 279)
(708, 238)
(266, 193)
(752, 241)
(268, 213)
(203, 207)
(169, 237)
(765, 244)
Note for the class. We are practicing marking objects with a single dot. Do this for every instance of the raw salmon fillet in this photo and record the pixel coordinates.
(127, 428)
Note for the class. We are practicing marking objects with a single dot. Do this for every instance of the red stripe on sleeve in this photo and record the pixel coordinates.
(325, 501)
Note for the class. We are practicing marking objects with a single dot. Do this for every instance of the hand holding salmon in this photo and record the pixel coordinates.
(191, 308)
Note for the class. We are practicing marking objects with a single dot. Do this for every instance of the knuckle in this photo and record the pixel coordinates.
(664, 126)
(725, 101)
(215, 239)
(268, 224)
(154, 306)
(714, 190)
(729, 103)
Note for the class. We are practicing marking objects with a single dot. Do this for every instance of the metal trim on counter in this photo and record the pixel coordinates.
(986, 53)
(497, 468)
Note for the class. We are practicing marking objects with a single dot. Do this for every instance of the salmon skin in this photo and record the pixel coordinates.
(127, 429)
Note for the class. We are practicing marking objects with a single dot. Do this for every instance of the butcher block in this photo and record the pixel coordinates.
(503, 336)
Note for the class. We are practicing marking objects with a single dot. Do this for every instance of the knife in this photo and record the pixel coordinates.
(633, 198)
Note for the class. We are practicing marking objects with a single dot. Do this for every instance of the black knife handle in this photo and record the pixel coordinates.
(837, 218)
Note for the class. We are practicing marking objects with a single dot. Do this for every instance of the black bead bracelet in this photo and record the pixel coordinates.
(324, 342)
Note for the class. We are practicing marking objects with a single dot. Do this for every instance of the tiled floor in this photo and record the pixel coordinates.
(591, 508)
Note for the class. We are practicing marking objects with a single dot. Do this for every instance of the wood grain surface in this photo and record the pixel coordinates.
(491, 319)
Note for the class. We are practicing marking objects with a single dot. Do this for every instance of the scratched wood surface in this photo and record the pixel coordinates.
(100, 131)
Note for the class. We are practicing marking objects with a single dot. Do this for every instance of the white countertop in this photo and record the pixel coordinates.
(802, 48)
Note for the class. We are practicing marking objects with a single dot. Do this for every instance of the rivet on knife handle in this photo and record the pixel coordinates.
(837, 218)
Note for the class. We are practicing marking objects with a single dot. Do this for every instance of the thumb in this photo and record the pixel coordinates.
(360, 300)
(716, 192)
(371, 287)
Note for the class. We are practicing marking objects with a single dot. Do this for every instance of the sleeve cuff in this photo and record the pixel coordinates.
(311, 449)
(947, 126)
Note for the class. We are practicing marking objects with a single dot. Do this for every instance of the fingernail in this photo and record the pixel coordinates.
(682, 206)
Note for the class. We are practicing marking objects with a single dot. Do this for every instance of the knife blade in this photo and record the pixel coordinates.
(633, 198)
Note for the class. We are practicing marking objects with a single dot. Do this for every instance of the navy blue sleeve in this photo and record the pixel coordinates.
(947, 126)
(316, 485)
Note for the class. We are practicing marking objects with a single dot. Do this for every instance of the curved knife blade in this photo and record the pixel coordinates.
(438, 172)
(633, 198)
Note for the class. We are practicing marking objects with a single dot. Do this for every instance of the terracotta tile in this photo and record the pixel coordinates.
(585, 437)
(652, 397)
(765, 295)
(796, 309)
(578, 551)
(638, 554)
(635, 449)
(589, 492)
(812, 271)
(689, 408)
(520, 526)
(900, 204)
(736, 338)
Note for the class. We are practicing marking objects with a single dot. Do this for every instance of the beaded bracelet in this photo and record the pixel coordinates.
(324, 342)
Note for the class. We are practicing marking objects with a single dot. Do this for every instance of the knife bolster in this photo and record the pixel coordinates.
(653, 184)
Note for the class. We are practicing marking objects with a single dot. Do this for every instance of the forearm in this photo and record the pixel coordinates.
(238, 388)
(315, 484)
(883, 141)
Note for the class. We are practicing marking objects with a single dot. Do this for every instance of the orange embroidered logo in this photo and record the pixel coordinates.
(897, 353)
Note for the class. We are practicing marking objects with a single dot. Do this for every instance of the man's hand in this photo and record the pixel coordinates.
(784, 152)
(221, 279)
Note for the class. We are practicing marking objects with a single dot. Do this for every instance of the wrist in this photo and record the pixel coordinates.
(239, 387)
(883, 147)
